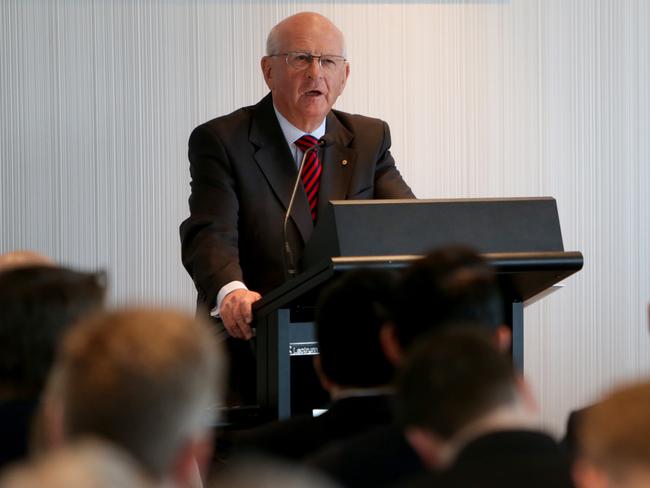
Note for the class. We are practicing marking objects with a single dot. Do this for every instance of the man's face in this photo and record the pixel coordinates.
(305, 96)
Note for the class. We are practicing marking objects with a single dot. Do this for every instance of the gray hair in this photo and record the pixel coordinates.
(272, 41)
(146, 380)
(89, 463)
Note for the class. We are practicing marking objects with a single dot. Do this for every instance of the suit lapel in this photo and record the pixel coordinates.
(276, 162)
(338, 162)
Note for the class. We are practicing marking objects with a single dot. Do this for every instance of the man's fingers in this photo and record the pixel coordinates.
(247, 313)
(246, 309)
(241, 330)
(237, 314)
(231, 325)
(229, 320)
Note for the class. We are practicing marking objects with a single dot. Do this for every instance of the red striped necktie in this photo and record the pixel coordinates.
(310, 172)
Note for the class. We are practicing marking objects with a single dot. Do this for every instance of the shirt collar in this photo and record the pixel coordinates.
(339, 394)
(292, 133)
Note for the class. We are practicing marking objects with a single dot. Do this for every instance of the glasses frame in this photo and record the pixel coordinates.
(310, 60)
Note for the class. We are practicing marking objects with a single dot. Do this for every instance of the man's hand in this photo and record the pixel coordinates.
(236, 312)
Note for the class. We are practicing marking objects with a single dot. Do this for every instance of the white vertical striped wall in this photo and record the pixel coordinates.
(484, 98)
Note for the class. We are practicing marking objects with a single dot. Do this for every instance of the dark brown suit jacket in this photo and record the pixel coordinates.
(242, 177)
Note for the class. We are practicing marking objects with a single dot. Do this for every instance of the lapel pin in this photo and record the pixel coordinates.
(344, 162)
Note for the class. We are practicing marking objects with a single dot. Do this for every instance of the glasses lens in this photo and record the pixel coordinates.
(299, 60)
(330, 63)
(304, 60)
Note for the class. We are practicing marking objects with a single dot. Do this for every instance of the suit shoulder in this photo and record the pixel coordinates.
(235, 122)
(354, 122)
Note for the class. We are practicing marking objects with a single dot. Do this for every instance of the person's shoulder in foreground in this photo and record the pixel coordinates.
(471, 418)
(379, 457)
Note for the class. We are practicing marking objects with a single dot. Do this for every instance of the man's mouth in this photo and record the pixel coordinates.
(313, 93)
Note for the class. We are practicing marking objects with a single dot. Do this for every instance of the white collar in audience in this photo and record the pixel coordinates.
(338, 393)
(514, 417)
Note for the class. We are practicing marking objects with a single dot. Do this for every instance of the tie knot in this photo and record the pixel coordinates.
(305, 142)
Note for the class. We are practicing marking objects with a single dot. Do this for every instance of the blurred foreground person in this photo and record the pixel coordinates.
(351, 366)
(470, 417)
(38, 303)
(87, 464)
(22, 259)
(146, 380)
(265, 473)
(614, 441)
(450, 284)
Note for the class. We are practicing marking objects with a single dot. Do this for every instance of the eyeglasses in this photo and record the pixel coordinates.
(300, 61)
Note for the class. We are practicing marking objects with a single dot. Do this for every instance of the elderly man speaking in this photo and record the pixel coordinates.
(244, 166)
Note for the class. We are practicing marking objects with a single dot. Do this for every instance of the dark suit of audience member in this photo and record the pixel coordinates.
(450, 284)
(37, 305)
(380, 457)
(506, 459)
(351, 366)
(303, 435)
(570, 441)
(469, 417)
(15, 423)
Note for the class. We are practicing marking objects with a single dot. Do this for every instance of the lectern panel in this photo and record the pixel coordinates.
(390, 227)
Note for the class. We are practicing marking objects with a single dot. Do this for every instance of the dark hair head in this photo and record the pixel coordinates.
(349, 316)
(37, 305)
(452, 283)
(453, 378)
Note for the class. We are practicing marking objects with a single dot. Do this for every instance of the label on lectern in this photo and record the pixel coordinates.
(303, 349)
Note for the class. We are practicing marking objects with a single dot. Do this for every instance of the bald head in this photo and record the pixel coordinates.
(22, 259)
(289, 28)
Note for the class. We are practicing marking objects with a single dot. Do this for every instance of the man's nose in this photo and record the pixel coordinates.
(314, 70)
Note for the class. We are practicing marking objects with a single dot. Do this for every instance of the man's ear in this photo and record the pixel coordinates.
(265, 63)
(427, 445)
(526, 394)
(48, 426)
(390, 344)
(346, 76)
(587, 475)
(192, 461)
(322, 377)
(503, 338)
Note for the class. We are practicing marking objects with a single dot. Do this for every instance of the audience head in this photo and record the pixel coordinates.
(147, 381)
(450, 284)
(614, 440)
(23, 258)
(37, 305)
(348, 320)
(454, 384)
(89, 463)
